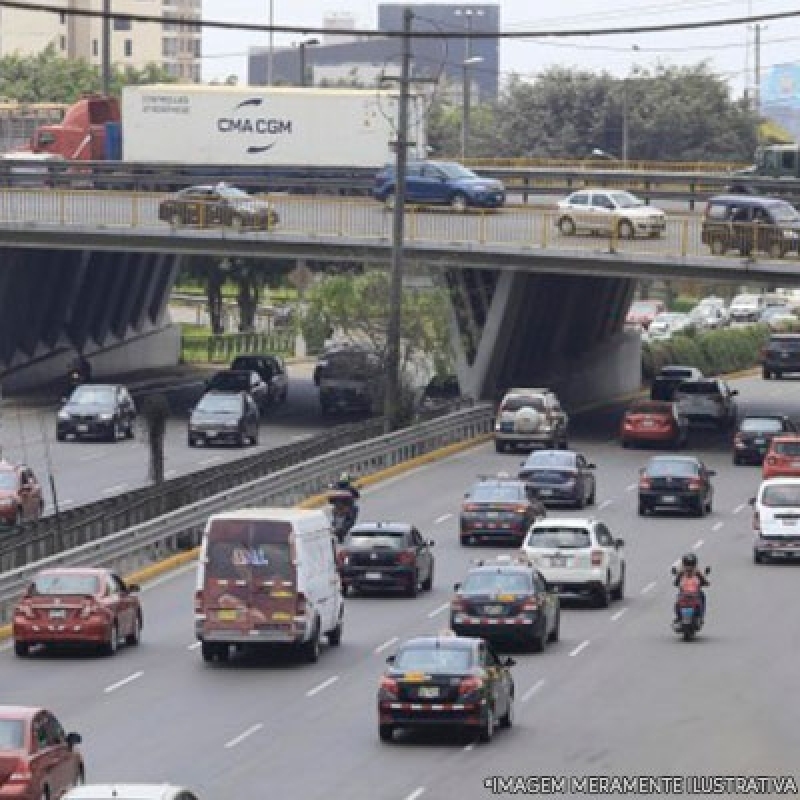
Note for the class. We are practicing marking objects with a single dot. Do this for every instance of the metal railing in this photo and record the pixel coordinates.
(142, 542)
(224, 347)
(605, 164)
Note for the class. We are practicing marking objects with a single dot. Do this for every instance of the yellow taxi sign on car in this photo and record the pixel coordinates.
(415, 677)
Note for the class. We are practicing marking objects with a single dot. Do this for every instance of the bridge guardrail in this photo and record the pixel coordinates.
(142, 543)
(221, 348)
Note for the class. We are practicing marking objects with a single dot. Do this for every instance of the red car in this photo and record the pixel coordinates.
(20, 494)
(77, 606)
(37, 759)
(643, 312)
(783, 458)
(653, 422)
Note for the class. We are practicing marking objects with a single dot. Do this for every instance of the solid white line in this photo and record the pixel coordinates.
(717, 526)
(297, 437)
(738, 509)
(615, 617)
(437, 611)
(194, 646)
(416, 793)
(532, 691)
(631, 487)
(112, 489)
(697, 545)
(580, 648)
(442, 518)
(385, 646)
(323, 685)
(649, 587)
(123, 682)
(604, 504)
(242, 736)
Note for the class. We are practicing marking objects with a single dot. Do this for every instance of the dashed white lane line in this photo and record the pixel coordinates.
(322, 686)
(194, 646)
(738, 508)
(437, 611)
(717, 526)
(631, 487)
(698, 544)
(580, 648)
(418, 792)
(242, 736)
(386, 645)
(604, 504)
(123, 682)
(469, 747)
(532, 691)
(211, 460)
(618, 615)
(114, 489)
(92, 457)
(170, 472)
(649, 587)
(441, 519)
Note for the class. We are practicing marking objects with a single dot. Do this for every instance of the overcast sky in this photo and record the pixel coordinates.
(226, 51)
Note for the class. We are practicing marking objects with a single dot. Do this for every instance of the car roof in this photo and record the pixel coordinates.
(687, 459)
(784, 335)
(99, 386)
(653, 406)
(19, 712)
(125, 791)
(746, 199)
(516, 569)
(537, 454)
(565, 522)
(499, 481)
(225, 392)
(389, 527)
(775, 481)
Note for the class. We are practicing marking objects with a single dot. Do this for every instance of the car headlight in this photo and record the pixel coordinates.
(106, 417)
(63, 414)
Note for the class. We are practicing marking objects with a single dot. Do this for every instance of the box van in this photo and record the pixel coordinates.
(267, 576)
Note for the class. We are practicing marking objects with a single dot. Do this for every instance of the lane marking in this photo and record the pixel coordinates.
(92, 457)
(211, 460)
(697, 545)
(580, 648)
(242, 736)
(441, 519)
(386, 645)
(717, 526)
(170, 472)
(615, 617)
(649, 587)
(323, 685)
(113, 489)
(437, 611)
(604, 504)
(631, 487)
(194, 646)
(469, 747)
(68, 502)
(418, 792)
(532, 691)
(123, 682)
(739, 508)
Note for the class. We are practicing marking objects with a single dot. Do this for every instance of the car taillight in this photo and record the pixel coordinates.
(520, 509)
(21, 774)
(469, 686)
(530, 605)
(771, 460)
(302, 605)
(695, 484)
(644, 483)
(406, 557)
(756, 521)
(597, 558)
(388, 688)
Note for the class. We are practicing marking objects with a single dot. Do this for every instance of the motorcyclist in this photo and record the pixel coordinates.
(344, 484)
(691, 580)
(81, 365)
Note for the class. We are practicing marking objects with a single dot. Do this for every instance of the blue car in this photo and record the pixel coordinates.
(441, 183)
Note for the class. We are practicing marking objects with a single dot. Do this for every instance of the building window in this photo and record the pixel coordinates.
(94, 47)
(63, 42)
(169, 47)
(122, 24)
(62, 18)
(196, 73)
(128, 48)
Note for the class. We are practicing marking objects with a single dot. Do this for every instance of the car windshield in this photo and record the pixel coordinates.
(664, 467)
(761, 424)
(8, 481)
(434, 659)
(651, 408)
(675, 372)
(230, 380)
(495, 494)
(549, 458)
(220, 404)
(787, 448)
(783, 212)
(12, 735)
(66, 583)
(92, 396)
(625, 200)
(393, 539)
(644, 308)
(494, 582)
(231, 193)
(518, 401)
(745, 300)
(456, 171)
(785, 495)
(564, 538)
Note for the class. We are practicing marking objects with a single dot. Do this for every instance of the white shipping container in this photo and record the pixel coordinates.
(260, 126)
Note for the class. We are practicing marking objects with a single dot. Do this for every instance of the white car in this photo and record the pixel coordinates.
(130, 791)
(776, 520)
(607, 210)
(747, 308)
(579, 556)
(665, 325)
(707, 400)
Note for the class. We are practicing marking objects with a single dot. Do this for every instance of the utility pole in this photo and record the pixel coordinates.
(271, 51)
(106, 47)
(757, 69)
(465, 102)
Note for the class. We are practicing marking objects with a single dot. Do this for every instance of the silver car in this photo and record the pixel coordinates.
(607, 211)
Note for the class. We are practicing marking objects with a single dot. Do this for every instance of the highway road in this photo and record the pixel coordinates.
(620, 694)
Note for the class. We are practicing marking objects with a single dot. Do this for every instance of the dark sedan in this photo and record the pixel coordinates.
(217, 206)
(504, 601)
(224, 418)
(272, 370)
(499, 509)
(560, 477)
(446, 681)
(386, 555)
(96, 411)
(677, 483)
(755, 434)
(241, 380)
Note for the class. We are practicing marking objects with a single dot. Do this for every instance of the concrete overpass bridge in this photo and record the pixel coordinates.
(93, 271)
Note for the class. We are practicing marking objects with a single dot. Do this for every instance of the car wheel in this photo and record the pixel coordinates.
(190, 440)
(556, 632)
(386, 733)
(458, 202)
(427, 584)
(135, 636)
(116, 432)
(22, 649)
(45, 793)
(618, 593)
(626, 444)
(643, 509)
(486, 731)
(700, 508)
(538, 641)
(389, 201)
(254, 438)
(603, 595)
(507, 720)
(61, 437)
(310, 649)
(240, 440)
(110, 647)
(566, 226)
(709, 506)
(625, 229)
(334, 637)
(413, 585)
(718, 246)
(758, 558)
(778, 375)
(466, 541)
(499, 447)
(737, 461)
(593, 496)
(580, 503)
(766, 374)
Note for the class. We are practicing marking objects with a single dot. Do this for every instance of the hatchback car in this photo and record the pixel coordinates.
(241, 380)
(77, 606)
(38, 760)
(386, 555)
(677, 483)
(272, 370)
(783, 458)
(708, 400)
(506, 600)
(609, 211)
(579, 557)
(776, 520)
(130, 791)
(669, 379)
(217, 206)
(446, 681)
(97, 411)
(780, 355)
(754, 435)
(499, 509)
(651, 422)
(224, 418)
(560, 476)
(21, 498)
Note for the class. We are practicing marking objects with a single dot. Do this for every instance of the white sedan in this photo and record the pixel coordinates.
(579, 557)
(606, 211)
(666, 325)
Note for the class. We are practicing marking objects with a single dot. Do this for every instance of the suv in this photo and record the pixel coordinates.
(669, 379)
(530, 417)
(707, 400)
(747, 223)
(440, 183)
(781, 354)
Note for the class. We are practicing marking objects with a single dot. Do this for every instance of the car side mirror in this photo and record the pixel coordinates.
(711, 473)
(456, 587)
(390, 659)
(734, 391)
(509, 662)
(619, 543)
(591, 466)
(707, 570)
(751, 501)
(674, 570)
(73, 739)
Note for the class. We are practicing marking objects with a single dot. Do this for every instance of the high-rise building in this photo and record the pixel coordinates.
(337, 21)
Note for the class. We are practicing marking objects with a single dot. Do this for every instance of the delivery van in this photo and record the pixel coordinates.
(267, 576)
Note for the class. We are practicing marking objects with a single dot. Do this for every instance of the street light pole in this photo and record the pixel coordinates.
(106, 68)
(271, 50)
(625, 122)
(466, 104)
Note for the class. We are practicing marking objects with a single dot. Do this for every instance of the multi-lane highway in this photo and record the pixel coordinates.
(620, 694)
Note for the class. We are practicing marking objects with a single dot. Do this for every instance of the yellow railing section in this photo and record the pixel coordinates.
(605, 164)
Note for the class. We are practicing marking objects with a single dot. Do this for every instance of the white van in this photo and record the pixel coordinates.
(268, 576)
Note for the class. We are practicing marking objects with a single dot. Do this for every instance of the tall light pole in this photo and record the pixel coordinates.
(301, 46)
(106, 57)
(271, 50)
(465, 106)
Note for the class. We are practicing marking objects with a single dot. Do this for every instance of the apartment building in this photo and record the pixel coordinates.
(174, 45)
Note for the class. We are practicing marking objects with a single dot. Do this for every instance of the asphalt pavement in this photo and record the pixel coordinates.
(619, 695)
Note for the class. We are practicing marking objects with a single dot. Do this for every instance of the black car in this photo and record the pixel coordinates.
(669, 379)
(272, 370)
(446, 681)
(97, 411)
(224, 418)
(506, 600)
(560, 476)
(499, 509)
(677, 483)
(754, 435)
(386, 555)
(241, 380)
(781, 355)
(217, 206)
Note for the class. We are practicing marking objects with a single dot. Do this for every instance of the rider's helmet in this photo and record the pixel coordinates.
(689, 560)
(344, 479)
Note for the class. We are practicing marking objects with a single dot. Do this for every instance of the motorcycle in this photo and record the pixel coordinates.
(344, 513)
(690, 611)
